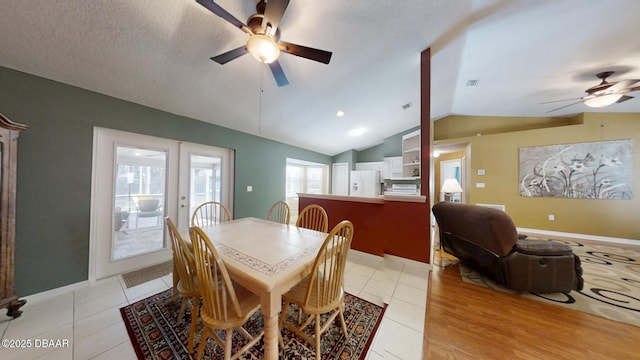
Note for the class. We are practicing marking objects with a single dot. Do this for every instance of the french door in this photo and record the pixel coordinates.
(138, 180)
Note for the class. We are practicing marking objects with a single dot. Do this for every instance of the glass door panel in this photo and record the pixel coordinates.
(139, 202)
(205, 183)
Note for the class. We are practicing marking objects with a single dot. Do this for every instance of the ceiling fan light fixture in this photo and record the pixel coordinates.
(263, 48)
(602, 100)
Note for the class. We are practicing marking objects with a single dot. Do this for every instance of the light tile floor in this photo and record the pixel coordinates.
(87, 318)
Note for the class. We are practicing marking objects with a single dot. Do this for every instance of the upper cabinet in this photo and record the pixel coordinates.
(392, 167)
(411, 155)
(374, 165)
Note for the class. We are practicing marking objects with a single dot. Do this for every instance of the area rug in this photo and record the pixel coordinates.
(611, 283)
(141, 276)
(155, 334)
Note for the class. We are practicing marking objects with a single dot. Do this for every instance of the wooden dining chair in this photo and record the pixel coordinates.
(313, 217)
(279, 212)
(225, 305)
(211, 212)
(185, 280)
(322, 291)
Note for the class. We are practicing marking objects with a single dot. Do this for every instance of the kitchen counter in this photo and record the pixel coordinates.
(386, 224)
(380, 199)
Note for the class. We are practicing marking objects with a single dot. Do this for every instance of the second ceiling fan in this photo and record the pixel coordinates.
(605, 93)
(264, 37)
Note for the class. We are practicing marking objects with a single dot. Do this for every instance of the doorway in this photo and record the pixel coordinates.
(138, 180)
(451, 169)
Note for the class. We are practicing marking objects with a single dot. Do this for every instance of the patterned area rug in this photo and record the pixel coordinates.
(155, 334)
(141, 276)
(611, 283)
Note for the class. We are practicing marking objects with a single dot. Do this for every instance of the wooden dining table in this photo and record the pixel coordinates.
(268, 259)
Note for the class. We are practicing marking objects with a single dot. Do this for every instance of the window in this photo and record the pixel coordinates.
(304, 177)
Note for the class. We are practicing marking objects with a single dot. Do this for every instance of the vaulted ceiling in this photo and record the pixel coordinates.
(156, 53)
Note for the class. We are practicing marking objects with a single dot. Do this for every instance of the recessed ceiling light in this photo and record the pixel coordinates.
(340, 113)
(357, 131)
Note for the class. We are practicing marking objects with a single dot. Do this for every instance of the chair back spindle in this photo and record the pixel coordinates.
(216, 288)
(279, 212)
(210, 213)
(313, 217)
(183, 260)
(328, 276)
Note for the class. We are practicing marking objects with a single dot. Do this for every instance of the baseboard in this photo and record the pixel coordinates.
(410, 262)
(366, 254)
(582, 236)
(392, 258)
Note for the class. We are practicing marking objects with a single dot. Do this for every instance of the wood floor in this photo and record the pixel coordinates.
(466, 321)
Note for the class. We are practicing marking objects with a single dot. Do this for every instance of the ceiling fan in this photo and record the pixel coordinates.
(605, 93)
(264, 37)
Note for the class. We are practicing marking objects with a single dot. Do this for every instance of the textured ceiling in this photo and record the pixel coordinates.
(156, 53)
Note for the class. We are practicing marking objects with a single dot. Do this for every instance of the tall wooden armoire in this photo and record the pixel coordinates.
(9, 133)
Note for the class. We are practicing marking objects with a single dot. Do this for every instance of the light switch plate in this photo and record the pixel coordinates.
(480, 185)
(480, 172)
(249, 188)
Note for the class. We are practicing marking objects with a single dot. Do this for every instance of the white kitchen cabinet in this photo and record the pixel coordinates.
(392, 167)
(372, 165)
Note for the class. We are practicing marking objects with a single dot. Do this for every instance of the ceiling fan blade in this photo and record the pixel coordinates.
(218, 10)
(557, 101)
(628, 90)
(562, 107)
(278, 74)
(306, 52)
(624, 98)
(273, 14)
(230, 55)
(621, 85)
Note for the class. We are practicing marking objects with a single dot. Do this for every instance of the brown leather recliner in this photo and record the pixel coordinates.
(487, 240)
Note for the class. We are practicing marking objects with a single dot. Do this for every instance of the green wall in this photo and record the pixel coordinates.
(54, 169)
(498, 153)
(372, 154)
(349, 156)
(392, 146)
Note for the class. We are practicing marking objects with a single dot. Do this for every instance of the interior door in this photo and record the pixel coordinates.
(340, 179)
(136, 183)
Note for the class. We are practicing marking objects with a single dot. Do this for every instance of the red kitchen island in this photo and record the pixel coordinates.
(393, 225)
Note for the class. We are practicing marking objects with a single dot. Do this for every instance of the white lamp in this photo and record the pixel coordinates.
(450, 186)
(263, 48)
(602, 100)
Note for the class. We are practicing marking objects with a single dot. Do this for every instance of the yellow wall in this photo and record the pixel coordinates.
(449, 128)
(498, 155)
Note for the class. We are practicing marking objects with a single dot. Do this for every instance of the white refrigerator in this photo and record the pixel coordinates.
(365, 183)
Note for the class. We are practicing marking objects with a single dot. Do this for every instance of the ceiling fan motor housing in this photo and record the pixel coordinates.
(603, 85)
(255, 24)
